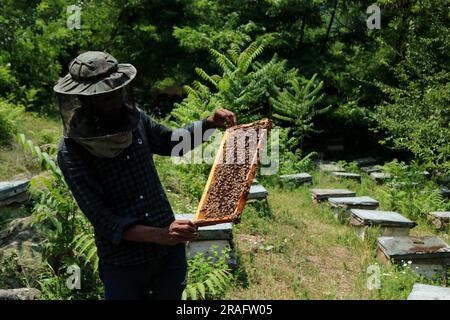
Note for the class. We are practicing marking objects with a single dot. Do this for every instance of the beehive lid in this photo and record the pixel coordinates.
(409, 248)
(383, 218)
(370, 169)
(346, 175)
(10, 189)
(443, 215)
(366, 161)
(329, 193)
(427, 292)
(221, 231)
(257, 191)
(362, 201)
(297, 177)
(380, 175)
(330, 167)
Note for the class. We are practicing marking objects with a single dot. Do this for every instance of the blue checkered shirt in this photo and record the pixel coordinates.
(115, 193)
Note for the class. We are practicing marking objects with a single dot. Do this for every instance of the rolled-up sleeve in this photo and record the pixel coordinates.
(89, 196)
(163, 140)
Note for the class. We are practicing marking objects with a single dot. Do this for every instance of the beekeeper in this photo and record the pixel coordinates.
(106, 157)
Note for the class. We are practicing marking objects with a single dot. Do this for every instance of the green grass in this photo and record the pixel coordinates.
(40, 130)
(313, 256)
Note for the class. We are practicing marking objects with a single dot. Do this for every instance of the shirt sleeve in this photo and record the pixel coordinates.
(89, 196)
(176, 142)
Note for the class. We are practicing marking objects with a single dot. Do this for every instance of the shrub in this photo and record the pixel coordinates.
(8, 115)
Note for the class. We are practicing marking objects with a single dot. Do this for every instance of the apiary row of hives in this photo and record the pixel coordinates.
(428, 255)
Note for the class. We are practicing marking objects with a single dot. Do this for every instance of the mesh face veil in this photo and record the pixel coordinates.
(98, 115)
(96, 103)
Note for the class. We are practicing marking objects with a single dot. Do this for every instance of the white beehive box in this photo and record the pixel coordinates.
(257, 192)
(320, 195)
(347, 175)
(13, 192)
(428, 255)
(342, 206)
(296, 178)
(210, 239)
(380, 177)
(330, 167)
(390, 223)
(427, 292)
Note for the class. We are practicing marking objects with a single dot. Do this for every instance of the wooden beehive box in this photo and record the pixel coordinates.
(428, 255)
(232, 173)
(390, 223)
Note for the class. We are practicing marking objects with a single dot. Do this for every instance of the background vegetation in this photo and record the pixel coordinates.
(312, 66)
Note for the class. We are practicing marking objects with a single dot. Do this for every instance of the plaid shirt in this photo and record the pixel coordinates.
(115, 193)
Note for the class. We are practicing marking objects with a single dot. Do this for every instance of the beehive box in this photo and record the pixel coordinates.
(370, 169)
(296, 179)
(330, 167)
(320, 195)
(232, 173)
(390, 223)
(365, 162)
(13, 192)
(380, 177)
(342, 206)
(257, 192)
(347, 175)
(211, 239)
(428, 255)
(428, 292)
(440, 219)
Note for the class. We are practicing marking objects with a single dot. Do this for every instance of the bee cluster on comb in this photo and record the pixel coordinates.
(232, 173)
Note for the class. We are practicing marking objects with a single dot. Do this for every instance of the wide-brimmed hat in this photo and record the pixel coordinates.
(95, 72)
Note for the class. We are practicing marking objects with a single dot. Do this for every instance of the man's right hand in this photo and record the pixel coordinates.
(179, 231)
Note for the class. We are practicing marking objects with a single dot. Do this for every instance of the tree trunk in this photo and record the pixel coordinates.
(324, 45)
(302, 29)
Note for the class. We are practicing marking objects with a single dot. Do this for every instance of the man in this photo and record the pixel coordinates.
(106, 159)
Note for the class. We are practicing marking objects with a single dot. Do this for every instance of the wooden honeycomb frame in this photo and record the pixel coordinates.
(200, 219)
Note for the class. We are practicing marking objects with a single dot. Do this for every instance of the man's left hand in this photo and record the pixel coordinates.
(222, 118)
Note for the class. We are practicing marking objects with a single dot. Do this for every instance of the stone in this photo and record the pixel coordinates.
(390, 223)
(19, 294)
(320, 195)
(347, 175)
(441, 219)
(380, 176)
(297, 178)
(13, 192)
(427, 292)
(221, 231)
(257, 192)
(429, 255)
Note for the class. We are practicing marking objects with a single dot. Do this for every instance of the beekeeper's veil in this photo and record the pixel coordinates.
(96, 103)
